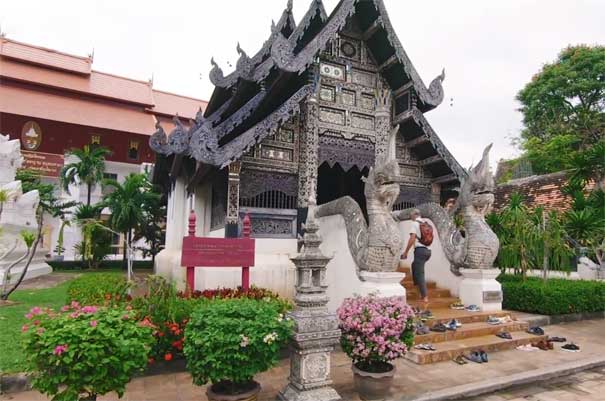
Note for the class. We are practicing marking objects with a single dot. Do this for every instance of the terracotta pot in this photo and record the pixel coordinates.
(373, 386)
(214, 394)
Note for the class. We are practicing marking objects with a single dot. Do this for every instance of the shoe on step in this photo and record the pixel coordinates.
(439, 328)
(474, 357)
(537, 331)
(460, 360)
(473, 308)
(493, 320)
(571, 347)
(483, 356)
(557, 339)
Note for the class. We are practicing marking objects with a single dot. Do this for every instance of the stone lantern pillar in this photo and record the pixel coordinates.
(316, 330)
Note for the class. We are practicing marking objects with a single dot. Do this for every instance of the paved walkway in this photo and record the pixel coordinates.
(412, 381)
(584, 386)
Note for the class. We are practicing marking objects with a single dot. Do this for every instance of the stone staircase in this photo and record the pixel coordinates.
(475, 333)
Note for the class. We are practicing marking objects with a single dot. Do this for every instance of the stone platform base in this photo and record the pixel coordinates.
(479, 287)
(382, 284)
(290, 393)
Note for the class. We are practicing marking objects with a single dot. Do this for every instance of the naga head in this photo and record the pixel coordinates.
(478, 188)
(382, 183)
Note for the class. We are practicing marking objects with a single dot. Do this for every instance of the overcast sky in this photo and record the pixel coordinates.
(489, 48)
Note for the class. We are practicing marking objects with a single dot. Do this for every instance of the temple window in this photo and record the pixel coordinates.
(95, 140)
(133, 150)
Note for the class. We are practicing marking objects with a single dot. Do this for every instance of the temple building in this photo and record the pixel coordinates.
(310, 111)
(52, 101)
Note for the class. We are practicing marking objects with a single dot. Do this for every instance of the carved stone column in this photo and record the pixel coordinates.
(316, 330)
(232, 219)
(436, 193)
(383, 121)
(309, 144)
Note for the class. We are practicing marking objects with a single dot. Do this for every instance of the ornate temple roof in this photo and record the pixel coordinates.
(264, 90)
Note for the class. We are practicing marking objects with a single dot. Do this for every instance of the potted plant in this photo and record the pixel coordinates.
(228, 341)
(375, 331)
(81, 352)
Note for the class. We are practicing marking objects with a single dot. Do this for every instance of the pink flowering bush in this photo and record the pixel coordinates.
(80, 352)
(375, 331)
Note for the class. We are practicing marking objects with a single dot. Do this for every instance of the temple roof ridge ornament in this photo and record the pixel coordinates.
(285, 59)
(247, 68)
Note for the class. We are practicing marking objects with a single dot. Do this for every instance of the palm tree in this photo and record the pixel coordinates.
(128, 202)
(88, 170)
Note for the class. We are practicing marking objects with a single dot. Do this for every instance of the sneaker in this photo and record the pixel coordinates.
(493, 320)
(460, 360)
(425, 347)
(538, 331)
(571, 347)
(457, 305)
(457, 323)
(483, 356)
(474, 357)
(422, 329)
(504, 335)
(473, 308)
(427, 314)
(557, 339)
(439, 328)
(451, 325)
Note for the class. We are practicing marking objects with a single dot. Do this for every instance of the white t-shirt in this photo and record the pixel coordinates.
(416, 231)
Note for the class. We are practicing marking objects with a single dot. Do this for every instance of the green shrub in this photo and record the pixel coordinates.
(229, 341)
(83, 352)
(98, 289)
(169, 312)
(553, 297)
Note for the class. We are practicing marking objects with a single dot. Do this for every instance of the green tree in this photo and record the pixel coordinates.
(96, 238)
(128, 202)
(88, 170)
(563, 108)
(152, 227)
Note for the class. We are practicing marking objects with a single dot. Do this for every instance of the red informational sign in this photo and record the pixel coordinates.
(47, 164)
(217, 252)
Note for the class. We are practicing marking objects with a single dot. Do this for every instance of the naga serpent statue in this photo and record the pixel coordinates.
(376, 246)
(476, 247)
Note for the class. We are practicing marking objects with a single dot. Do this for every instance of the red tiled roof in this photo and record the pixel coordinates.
(51, 106)
(95, 84)
(70, 76)
(170, 104)
(43, 56)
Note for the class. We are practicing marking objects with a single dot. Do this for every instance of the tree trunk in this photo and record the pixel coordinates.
(29, 260)
(89, 187)
(124, 251)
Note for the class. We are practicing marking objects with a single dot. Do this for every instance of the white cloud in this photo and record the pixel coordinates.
(490, 49)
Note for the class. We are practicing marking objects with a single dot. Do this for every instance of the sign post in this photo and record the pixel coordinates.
(217, 252)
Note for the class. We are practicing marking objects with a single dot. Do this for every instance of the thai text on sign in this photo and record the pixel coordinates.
(47, 164)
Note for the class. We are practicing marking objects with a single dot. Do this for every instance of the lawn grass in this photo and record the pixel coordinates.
(12, 318)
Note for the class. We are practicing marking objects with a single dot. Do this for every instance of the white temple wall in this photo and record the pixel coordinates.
(437, 269)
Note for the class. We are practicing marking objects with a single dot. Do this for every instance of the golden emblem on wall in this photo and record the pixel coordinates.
(31, 136)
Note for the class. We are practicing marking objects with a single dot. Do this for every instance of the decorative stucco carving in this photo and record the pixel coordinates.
(376, 245)
(347, 153)
(478, 248)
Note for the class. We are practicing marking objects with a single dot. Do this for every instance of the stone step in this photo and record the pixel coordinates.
(444, 315)
(449, 350)
(435, 303)
(413, 293)
(469, 330)
(409, 284)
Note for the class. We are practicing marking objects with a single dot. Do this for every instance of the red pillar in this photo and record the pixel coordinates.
(246, 269)
(191, 269)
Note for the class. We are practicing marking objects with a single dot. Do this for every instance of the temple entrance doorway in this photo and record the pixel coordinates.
(333, 183)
